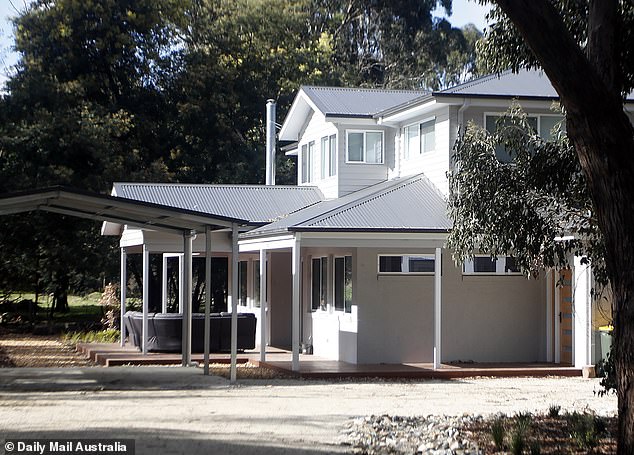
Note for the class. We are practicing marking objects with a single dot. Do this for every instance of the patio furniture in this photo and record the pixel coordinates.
(165, 331)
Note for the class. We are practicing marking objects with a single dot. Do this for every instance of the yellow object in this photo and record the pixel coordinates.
(606, 328)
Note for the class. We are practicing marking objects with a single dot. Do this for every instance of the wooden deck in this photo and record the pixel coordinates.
(313, 367)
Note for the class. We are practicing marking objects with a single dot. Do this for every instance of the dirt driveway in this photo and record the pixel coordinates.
(175, 410)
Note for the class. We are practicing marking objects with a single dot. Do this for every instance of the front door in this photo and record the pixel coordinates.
(565, 316)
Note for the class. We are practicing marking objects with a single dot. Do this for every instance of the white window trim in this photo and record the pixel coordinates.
(328, 279)
(408, 156)
(467, 267)
(364, 150)
(406, 273)
(334, 278)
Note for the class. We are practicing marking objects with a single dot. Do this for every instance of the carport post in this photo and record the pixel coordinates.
(164, 286)
(146, 296)
(207, 298)
(263, 279)
(186, 297)
(234, 302)
(124, 285)
(296, 313)
(437, 308)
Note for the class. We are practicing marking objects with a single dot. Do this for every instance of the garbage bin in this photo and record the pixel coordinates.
(605, 332)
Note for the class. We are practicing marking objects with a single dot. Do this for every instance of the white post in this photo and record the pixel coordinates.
(437, 309)
(234, 302)
(181, 280)
(164, 285)
(582, 314)
(296, 312)
(146, 297)
(263, 278)
(549, 315)
(186, 298)
(207, 298)
(557, 316)
(123, 285)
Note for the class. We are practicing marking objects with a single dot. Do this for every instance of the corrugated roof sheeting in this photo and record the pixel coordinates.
(408, 204)
(256, 203)
(526, 83)
(357, 101)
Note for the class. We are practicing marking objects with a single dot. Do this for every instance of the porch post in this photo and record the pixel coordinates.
(557, 316)
(263, 278)
(582, 313)
(296, 312)
(234, 302)
(437, 309)
(146, 297)
(207, 298)
(164, 286)
(549, 315)
(186, 298)
(123, 289)
(181, 279)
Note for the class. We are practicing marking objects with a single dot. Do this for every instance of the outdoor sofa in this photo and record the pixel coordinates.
(165, 331)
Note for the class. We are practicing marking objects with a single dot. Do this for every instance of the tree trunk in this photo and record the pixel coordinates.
(604, 140)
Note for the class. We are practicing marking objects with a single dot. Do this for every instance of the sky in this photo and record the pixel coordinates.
(464, 12)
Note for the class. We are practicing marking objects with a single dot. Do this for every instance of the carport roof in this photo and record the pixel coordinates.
(84, 204)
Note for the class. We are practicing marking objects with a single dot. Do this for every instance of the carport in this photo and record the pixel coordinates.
(188, 223)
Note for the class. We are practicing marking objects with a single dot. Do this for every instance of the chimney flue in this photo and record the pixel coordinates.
(270, 142)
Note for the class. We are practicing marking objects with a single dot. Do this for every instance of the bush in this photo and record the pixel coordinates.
(101, 336)
(586, 429)
(498, 433)
(553, 410)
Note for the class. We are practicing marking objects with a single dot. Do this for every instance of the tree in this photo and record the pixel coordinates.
(585, 48)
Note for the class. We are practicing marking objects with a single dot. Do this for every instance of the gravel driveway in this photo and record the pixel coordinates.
(175, 410)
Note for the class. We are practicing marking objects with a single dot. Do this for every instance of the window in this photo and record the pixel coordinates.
(242, 283)
(406, 264)
(420, 138)
(343, 284)
(324, 154)
(365, 147)
(320, 284)
(547, 123)
(304, 163)
(332, 169)
(256, 284)
(486, 265)
(491, 123)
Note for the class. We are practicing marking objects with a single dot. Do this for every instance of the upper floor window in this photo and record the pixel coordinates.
(328, 166)
(486, 265)
(542, 124)
(420, 138)
(308, 152)
(364, 147)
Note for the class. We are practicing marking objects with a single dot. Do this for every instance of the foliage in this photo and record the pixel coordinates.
(586, 429)
(102, 336)
(111, 306)
(536, 208)
(553, 410)
(498, 433)
(606, 371)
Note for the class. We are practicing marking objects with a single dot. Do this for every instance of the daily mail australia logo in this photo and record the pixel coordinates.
(69, 446)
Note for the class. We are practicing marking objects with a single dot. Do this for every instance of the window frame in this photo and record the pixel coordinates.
(243, 298)
(347, 305)
(321, 285)
(407, 155)
(427, 256)
(500, 262)
(364, 151)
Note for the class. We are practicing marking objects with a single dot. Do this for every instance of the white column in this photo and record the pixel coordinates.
(123, 289)
(186, 298)
(181, 279)
(296, 312)
(557, 316)
(263, 302)
(164, 286)
(437, 309)
(549, 315)
(146, 297)
(207, 298)
(582, 314)
(234, 302)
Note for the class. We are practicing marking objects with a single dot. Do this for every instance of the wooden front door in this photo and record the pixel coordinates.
(565, 316)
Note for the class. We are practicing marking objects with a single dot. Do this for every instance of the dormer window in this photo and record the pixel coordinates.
(420, 138)
(364, 147)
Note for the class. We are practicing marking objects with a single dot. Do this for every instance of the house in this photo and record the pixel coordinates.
(351, 263)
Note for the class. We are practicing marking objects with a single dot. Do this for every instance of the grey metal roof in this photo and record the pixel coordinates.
(258, 204)
(357, 102)
(525, 83)
(412, 204)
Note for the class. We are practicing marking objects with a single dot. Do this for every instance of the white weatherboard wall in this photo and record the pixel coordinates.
(317, 128)
(434, 164)
(484, 318)
(356, 176)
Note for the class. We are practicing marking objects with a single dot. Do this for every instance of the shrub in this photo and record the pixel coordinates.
(102, 336)
(553, 410)
(586, 429)
(518, 441)
(498, 433)
(535, 448)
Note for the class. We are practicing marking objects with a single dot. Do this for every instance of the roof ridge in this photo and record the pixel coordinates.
(476, 81)
(365, 89)
(217, 185)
